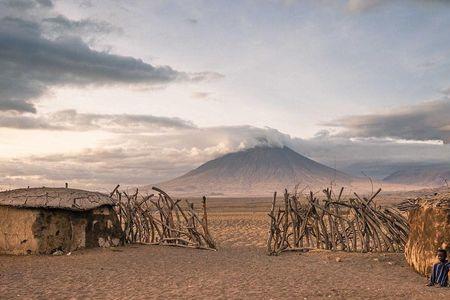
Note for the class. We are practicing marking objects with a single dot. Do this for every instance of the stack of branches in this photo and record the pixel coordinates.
(408, 204)
(333, 223)
(161, 220)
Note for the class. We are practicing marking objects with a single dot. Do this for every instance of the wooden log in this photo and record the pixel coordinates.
(272, 229)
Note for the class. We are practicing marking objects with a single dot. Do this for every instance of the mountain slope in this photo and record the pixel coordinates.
(256, 171)
(434, 175)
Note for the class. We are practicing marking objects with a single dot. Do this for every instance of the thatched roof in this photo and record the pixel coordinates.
(61, 198)
(437, 202)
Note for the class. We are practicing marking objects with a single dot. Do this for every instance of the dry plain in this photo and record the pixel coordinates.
(239, 270)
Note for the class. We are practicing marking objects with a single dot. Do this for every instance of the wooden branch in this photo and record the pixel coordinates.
(356, 224)
(162, 221)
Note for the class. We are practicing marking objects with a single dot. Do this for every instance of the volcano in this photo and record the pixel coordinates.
(256, 171)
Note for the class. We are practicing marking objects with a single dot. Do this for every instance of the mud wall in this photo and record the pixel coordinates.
(42, 231)
(429, 231)
(16, 234)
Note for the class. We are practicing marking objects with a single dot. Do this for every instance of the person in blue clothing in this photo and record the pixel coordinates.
(439, 274)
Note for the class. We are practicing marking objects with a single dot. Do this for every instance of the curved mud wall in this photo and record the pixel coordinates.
(429, 230)
(42, 231)
(16, 233)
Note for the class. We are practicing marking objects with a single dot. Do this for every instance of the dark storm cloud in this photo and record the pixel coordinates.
(30, 63)
(74, 121)
(422, 122)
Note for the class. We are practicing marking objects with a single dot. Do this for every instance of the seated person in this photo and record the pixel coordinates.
(439, 275)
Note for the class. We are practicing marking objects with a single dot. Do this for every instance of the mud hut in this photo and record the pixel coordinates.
(429, 222)
(44, 220)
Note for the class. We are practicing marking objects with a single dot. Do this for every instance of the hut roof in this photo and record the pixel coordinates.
(439, 199)
(60, 198)
(438, 202)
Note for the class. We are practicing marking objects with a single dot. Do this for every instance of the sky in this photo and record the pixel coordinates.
(96, 93)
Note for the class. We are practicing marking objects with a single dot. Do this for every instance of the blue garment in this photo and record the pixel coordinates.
(439, 275)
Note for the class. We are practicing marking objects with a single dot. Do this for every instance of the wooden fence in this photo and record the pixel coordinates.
(333, 223)
(161, 220)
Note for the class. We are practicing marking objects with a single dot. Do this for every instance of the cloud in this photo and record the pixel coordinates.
(446, 92)
(27, 4)
(222, 139)
(31, 63)
(74, 121)
(200, 95)
(353, 6)
(46, 3)
(359, 6)
(421, 122)
(60, 25)
(362, 5)
(97, 168)
(192, 21)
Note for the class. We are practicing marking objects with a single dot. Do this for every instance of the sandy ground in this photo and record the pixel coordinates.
(239, 270)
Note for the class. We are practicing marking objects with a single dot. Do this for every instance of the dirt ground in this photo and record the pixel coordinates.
(239, 270)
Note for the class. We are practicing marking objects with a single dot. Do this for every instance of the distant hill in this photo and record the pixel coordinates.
(256, 171)
(434, 175)
(381, 169)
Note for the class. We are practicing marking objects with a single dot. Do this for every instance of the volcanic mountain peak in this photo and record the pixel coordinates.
(261, 161)
(259, 170)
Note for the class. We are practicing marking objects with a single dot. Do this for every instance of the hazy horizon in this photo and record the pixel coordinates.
(96, 93)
